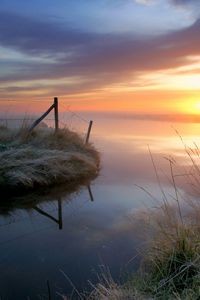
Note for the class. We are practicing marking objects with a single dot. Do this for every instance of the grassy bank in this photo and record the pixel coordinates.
(44, 158)
(170, 266)
(171, 263)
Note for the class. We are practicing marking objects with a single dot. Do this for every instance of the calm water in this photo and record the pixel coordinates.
(79, 231)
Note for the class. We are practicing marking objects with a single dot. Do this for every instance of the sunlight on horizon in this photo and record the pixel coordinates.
(115, 68)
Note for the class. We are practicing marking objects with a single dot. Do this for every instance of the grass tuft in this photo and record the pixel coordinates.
(44, 158)
(171, 263)
(170, 266)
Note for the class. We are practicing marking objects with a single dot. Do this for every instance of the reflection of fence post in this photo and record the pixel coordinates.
(60, 213)
(90, 193)
(88, 132)
(49, 290)
(59, 221)
(56, 114)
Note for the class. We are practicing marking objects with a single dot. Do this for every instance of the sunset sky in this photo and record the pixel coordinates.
(139, 56)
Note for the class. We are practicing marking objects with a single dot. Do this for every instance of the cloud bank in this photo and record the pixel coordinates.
(98, 60)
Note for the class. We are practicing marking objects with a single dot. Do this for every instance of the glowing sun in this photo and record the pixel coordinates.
(191, 106)
(197, 107)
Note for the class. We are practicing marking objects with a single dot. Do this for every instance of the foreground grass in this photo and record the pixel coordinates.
(171, 264)
(170, 267)
(44, 158)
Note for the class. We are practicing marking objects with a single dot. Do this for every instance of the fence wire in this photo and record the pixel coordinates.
(18, 113)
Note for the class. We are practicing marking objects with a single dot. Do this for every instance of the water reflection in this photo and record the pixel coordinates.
(31, 201)
(34, 250)
(58, 220)
(29, 246)
(99, 221)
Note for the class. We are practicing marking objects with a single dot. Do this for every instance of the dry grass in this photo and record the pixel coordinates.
(170, 268)
(171, 263)
(106, 289)
(44, 158)
(112, 291)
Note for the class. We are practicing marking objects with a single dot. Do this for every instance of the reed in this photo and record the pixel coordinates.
(170, 266)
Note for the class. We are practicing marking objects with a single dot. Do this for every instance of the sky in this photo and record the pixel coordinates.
(139, 56)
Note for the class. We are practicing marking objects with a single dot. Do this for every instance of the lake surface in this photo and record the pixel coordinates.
(79, 231)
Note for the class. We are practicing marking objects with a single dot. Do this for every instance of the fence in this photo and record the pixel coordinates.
(59, 120)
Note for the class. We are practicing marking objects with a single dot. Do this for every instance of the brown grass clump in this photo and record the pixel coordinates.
(170, 266)
(44, 158)
(107, 289)
(171, 263)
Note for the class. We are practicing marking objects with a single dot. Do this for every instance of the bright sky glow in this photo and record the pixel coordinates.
(106, 54)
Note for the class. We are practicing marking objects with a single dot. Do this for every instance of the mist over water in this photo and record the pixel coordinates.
(77, 231)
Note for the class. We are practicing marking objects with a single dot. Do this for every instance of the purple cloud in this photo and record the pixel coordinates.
(99, 59)
(38, 36)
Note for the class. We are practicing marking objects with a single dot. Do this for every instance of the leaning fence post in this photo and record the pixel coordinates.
(36, 122)
(88, 132)
(56, 114)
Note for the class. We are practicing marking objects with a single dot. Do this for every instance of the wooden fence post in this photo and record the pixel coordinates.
(56, 114)
(53, 106)
(41, 118)
(88, 132)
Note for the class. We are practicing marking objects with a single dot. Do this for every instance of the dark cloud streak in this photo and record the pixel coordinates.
(39, 37)
(101, 59)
